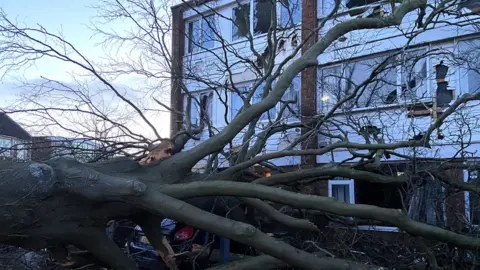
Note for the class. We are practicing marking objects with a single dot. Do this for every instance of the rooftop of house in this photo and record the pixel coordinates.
(8, 127)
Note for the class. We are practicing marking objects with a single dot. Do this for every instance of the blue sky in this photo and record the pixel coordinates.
(72, 19)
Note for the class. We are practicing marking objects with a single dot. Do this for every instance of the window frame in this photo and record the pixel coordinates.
(8, 152)
(23, 151)
(399, 76)
(200, 46)
(343, 182)
(251, 27)
(250, 23)
(463, 69)
(280, 14)
(198, 95)
(351, 186)
(253, 17)
(249, 85)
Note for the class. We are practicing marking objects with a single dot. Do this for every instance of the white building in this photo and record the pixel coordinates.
(399, 105)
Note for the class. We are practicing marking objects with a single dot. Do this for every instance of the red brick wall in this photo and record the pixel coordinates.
(309, 76)
(178, 47)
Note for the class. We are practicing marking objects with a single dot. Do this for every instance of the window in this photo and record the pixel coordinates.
(330, 87)
(194, 36)
(201, 33)
(327, 6)
(258, 97)
(208, 33)
(262, 18)
(290, 12)
(200, 107)
(339, 81)
(5, 147)
(413, 75)
(241, 21)
(380, 194)
(291, 94)
(237, 102)
(468, 55)
(375, 92)
(472, 199)
(191, 107)
(427, 203)
(20, 150)
(342, 190)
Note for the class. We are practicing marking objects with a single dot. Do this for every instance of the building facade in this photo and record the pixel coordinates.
(83, 150)
(15, 142)
(411, 94)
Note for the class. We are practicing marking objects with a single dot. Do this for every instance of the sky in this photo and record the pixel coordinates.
(72, 19)
(69, 17)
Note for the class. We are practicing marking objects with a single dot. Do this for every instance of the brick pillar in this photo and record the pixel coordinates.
(308, 106)
(178, 47)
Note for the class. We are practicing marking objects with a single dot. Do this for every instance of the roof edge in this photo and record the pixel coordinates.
(18, 125)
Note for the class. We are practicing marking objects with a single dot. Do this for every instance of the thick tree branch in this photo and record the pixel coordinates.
(285, 178)
(164, 205)
(82, 180)
(321, 151)
(264, 262)
(278, 216)
(97, 242)
(394, 217)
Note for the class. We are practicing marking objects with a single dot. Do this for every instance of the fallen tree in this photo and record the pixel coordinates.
(60, 202)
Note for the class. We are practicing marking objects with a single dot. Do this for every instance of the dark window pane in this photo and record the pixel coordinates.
(263, 16)
(241, 21)
(378, 194)
(341, 192)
